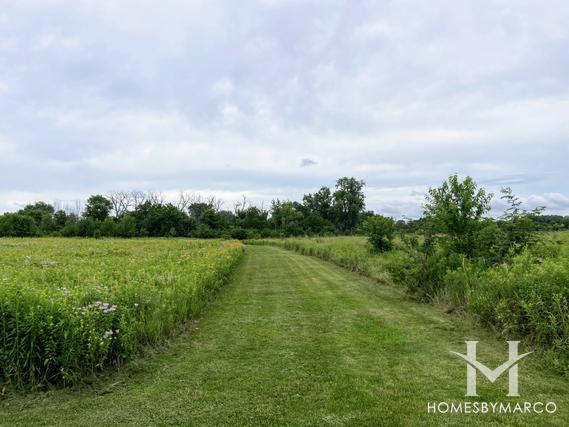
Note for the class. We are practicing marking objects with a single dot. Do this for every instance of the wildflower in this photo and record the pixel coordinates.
(107, 334)
(110, 309)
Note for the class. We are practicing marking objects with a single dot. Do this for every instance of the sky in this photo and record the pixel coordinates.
(275, 98)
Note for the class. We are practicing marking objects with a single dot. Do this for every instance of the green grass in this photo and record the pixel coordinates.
(526, 297)
(351, 252)
(69, 307)
(294, 340)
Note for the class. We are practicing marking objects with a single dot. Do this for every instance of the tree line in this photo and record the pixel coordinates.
(148, 214)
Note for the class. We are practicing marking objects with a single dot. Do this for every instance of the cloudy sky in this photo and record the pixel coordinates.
(274, 98)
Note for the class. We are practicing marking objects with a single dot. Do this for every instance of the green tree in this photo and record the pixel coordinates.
(86, 227)
(198, 210)
(71, 227)
(17, 225)
(157, 219)
(252, 217)
(320, 203)
(519, 225)
(107, 227)
(59, 219)
(455, 210)
(348, 203)
(314, 224)
(126, 226)
(42, 214)
(287, 217)
(97, 208)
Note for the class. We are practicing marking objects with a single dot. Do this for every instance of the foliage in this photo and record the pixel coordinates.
(68, 308)
(519, 225)
(348, 203)
(455, 210)
(17, 225)
(288, 217)
(320, 203)
(97, 208)
(380, 232)
(139, 214)
(528, 299)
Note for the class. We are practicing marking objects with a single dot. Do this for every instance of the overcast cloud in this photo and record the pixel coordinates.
(274, 98)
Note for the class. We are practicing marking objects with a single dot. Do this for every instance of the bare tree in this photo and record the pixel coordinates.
(138, 198)
(74, 207)
(185, 199)
(121, 201)
(155, 197)
(215, 203)
(240, 206)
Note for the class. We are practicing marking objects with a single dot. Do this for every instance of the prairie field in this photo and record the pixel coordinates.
(293, 340)
(70, 307)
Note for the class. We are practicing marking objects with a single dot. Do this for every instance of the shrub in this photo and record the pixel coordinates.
(379, 230)
(17, 225)
(529, 299)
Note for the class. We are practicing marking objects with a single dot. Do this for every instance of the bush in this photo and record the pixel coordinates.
(421, 272)
(17, 225)
(126, 227)
(380, 232)
(529, 299)
(239, 234)
(107, 228)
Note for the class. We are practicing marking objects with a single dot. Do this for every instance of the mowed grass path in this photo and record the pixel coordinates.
(293, 340)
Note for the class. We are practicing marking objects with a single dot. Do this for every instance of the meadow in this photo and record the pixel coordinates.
(293, 340)
(526, 297)
(70, 307)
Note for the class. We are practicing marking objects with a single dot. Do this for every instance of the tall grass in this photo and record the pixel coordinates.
(70, 307)
(528, 299)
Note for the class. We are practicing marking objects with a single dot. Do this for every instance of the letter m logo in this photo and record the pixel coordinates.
(474, 365)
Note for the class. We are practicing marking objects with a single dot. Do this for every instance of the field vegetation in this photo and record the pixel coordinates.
(69, 307)
(526, 297)
(509, 275)
(296, 341)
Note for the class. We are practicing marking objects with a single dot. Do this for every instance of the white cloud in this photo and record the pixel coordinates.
(229, 97)
(230, 115)
(375, 29)
(49, 41)
(223, 88)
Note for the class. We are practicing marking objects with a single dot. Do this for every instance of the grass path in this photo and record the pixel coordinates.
(293, 340)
